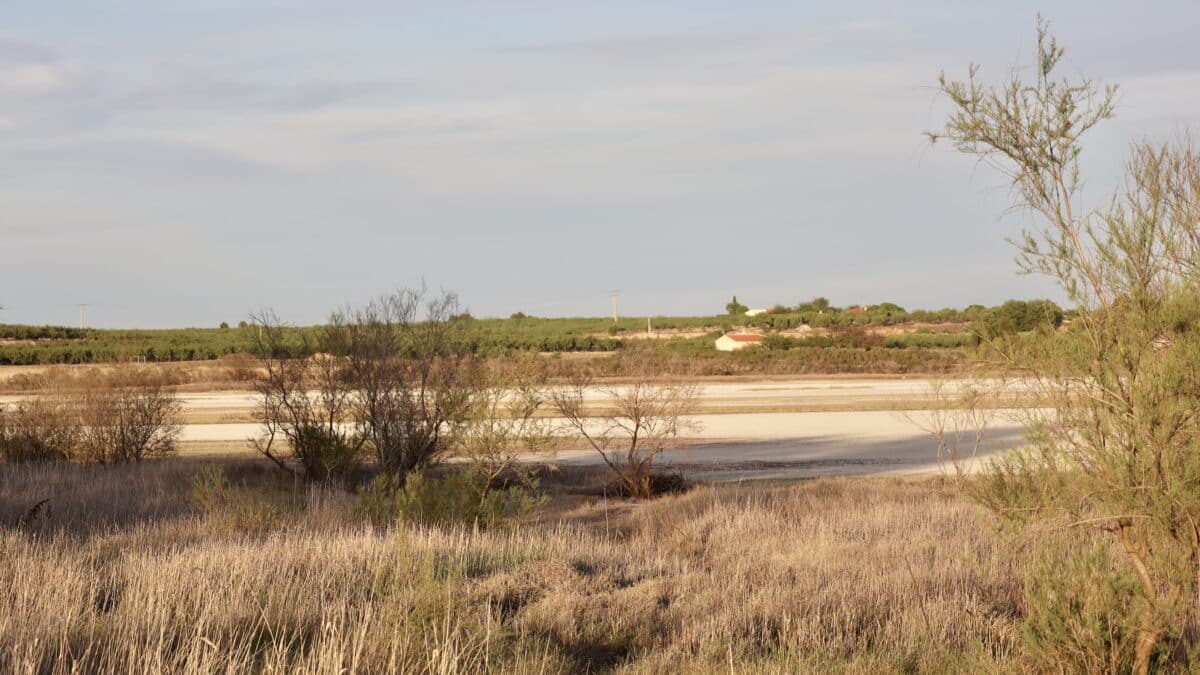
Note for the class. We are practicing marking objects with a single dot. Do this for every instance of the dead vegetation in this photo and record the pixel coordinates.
(634, 425)
(140, 568)
(126, 415)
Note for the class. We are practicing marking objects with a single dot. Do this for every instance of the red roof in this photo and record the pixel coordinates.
(745, 337)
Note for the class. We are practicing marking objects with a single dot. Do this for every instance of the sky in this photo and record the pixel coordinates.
(187, 162)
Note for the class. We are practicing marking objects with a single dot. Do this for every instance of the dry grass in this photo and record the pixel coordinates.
(862, 575)
(229, 373)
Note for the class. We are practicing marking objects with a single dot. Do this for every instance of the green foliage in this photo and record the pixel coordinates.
(326, 454)
(240, 509)
(928, 340)
(34, 345)
(734, 308)
(814, 306)
(777, 341)
(1018, 316)
(1077, 608)
(1112, 459)
(457, 497)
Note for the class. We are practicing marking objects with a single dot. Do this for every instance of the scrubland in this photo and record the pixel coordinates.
(140, 568)
(239, 371)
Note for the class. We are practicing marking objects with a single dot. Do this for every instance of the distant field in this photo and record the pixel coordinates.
(42, 345)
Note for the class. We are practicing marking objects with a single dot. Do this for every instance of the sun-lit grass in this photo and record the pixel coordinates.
(125, 573)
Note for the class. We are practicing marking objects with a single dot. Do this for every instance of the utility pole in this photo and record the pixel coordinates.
(614, 294)
(82, 315)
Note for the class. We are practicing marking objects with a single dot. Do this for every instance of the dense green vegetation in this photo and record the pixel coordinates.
(1012, 316)
(27, 345)
(32, 345)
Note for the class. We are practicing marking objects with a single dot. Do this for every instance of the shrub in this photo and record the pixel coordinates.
(126, 417)
(643, 419)
(237, 508)
(303, 401)
(1112, 452)
(459, 496)
(777, 341)
(324, 453)
(38, 430)
(1019, 316)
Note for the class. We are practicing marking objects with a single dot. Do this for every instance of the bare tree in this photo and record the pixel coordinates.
(959, 423)
(393, 378)
(305, 400)
(411, 370)
(505, 423)
(631, 424)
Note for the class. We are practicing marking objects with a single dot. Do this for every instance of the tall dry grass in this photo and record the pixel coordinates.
(129, 574)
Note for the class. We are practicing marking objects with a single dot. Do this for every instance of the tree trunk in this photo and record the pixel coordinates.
(1148, 633)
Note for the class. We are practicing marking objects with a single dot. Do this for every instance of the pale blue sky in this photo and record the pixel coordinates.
(183, 162)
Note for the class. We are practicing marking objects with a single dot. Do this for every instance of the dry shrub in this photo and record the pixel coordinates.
(128, 416)
(52, 378)
(37, 430)
(855, 336)
(240, 367)
(634, 424)
(503, 426)
(305, 397)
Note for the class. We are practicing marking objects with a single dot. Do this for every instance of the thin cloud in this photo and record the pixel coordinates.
(18, 51)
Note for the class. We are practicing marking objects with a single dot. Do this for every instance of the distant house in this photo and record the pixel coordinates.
(756, 312)
(856, 310)
(735, 341)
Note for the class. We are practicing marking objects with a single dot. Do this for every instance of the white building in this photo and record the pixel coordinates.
(735, 341)
(756, 312)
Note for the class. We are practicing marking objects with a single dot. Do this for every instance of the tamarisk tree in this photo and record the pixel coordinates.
(1109, 488)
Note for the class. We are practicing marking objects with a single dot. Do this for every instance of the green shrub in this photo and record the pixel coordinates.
(1077, 608)
(459, 496)
(777, 341)
(326, 454)
(1018, 316)
(237, 508)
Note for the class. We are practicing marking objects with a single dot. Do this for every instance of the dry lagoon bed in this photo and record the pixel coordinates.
(745, 429)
